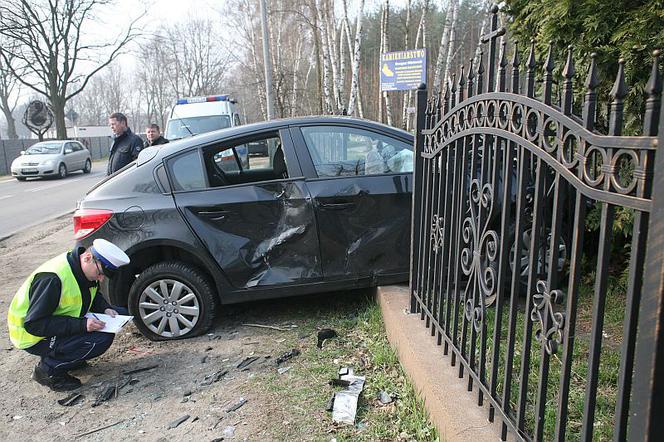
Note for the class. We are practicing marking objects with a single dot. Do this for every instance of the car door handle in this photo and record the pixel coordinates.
(214, 215)
(336, 206)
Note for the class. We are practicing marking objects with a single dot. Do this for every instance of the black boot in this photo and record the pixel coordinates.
(56, 382)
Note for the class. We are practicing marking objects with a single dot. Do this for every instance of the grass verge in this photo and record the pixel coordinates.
(299, 396)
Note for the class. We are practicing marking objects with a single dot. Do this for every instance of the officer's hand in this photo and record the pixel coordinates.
(110, 312)
(95, 325)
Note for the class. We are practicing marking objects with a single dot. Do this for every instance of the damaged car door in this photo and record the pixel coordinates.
(257, 220)
(362, 187)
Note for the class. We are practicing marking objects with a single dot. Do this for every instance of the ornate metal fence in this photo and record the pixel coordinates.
(507, 269)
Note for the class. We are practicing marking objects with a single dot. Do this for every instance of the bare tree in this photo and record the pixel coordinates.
(199, 59)
(51, 45)
(354, 85)
(9, 92)
(153, 72)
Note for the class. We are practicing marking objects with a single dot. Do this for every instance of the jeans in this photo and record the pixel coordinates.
(60, 354)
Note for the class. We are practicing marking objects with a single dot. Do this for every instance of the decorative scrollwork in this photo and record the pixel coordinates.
(479, 252)
(543, 301)
(437, 226)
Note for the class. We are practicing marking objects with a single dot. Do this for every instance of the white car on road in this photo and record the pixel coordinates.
(52, 158)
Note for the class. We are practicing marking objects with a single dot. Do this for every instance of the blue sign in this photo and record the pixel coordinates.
(404, 70)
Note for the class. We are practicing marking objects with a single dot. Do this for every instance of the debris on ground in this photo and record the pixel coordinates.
(345, 402)
(99, 429)
(288, 355)
(283, 370)
(214, 377)
(70, 400)
(237, 405)
(385, 398)
(247, 362)
(178, 421)
(106, 393)
(138, 370)
(204, 359)
(339, 383)
(272, 327)
(326, 333)
(330, 403)
(228, 432)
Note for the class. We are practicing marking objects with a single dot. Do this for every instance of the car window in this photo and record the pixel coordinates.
(236, 120)
(344, 151)
(245, 161)
(76, 147)
(69, 147)
(187, 171)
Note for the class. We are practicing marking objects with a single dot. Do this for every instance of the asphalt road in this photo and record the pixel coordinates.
(31, 202)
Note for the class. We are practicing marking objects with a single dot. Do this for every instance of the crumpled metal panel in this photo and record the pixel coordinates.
(261, 235)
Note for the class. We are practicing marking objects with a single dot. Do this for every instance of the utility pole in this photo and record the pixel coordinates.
(267, 62)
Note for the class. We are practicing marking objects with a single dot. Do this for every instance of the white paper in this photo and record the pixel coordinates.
(113, 325)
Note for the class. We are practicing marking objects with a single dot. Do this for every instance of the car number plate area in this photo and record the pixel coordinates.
(28, 170)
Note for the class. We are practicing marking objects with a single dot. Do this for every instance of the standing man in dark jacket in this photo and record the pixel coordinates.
(153, 135)
(126, 145)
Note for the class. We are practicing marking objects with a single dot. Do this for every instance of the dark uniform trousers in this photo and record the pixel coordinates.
(60, 354)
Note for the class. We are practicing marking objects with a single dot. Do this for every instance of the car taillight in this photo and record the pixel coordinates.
(87, 221)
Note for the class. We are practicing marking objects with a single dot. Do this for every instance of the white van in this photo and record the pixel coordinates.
(197, 115)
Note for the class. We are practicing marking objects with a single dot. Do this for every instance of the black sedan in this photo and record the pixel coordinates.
(327, 209)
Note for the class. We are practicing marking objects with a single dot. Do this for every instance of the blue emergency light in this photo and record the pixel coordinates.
(207, 99)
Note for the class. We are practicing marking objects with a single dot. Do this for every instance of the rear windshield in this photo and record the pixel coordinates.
(186, 127)
(44, 148)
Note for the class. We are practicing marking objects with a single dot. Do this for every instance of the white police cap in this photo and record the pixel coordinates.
(109, 254)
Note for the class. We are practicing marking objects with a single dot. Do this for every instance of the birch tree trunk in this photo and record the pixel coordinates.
(342, 70)
(450, 47)
(386, 48)
(443, 48)
(296, 67)
(354, 85)
(330, 38)
(421, 36)
(326, 58)
(404, 107)
(257, 69)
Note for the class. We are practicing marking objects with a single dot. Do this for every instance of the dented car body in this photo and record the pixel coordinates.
(328, 208)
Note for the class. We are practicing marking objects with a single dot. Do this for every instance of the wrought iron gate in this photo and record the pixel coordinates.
(507, 179)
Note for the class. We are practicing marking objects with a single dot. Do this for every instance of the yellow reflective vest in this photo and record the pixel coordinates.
(70, 300)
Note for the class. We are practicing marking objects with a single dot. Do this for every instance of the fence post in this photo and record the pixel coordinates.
(4, 152)
(420, 119)
(648, 384)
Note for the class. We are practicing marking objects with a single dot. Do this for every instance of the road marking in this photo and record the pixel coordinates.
(5, 197)
(50, 186)
(7, 181)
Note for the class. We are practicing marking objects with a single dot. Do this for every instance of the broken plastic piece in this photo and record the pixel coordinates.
(385, 398)
(247, 361)
(237, 405)
(138, 370)
(326, 333)
(288, 355)
(214, 377)
(178, 421)
(345, 402)
(70, 400)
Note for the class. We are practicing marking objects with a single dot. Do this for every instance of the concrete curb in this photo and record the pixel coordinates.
(452, 409)
(6, 236)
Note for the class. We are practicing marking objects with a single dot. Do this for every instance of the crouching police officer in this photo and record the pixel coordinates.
(47, 315)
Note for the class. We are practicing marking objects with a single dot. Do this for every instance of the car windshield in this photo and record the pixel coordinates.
(186, 127)
(44, 148)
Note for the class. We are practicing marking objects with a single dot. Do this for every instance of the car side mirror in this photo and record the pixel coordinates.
(22, 152)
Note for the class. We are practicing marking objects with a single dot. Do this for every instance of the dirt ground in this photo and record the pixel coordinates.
(188, 379)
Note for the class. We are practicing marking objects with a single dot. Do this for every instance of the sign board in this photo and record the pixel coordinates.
(404, 70)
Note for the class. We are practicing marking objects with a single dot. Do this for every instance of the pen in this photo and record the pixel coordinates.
(95, 316)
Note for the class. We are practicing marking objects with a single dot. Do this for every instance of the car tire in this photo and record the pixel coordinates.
(20, 178)
(62, 170)
(159, 295)
(88, 166)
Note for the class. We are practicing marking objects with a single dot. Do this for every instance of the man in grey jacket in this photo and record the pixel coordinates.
(126, 144)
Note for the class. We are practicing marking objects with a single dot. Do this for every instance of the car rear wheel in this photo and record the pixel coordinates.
(172, 300)
(62, 171)
(88, 166)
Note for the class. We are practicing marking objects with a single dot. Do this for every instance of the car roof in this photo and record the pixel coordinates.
(208, 137)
